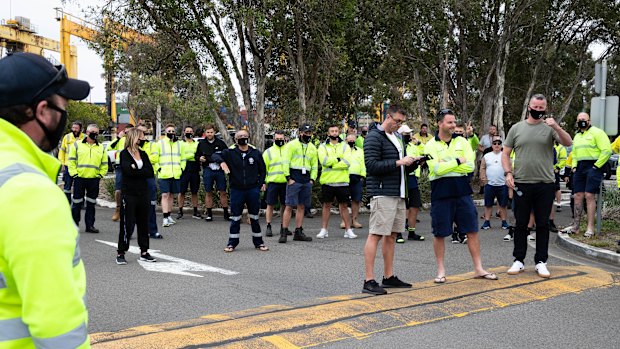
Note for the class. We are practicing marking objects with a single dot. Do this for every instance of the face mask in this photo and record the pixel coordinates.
(170, 135)
(76, 134)
(454, 135)
(189, 135)
(54, 136)
(351, 144)
(141, 142)
(93, 136)
(582, 124)
(305, 138)
(333, 138)
(279, 142)
(407, 139)
(537, 114)
(364, 133)
(242, 141)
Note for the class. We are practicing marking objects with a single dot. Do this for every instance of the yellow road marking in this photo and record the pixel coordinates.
(338, 318)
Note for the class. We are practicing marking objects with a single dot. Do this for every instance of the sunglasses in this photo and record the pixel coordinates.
(60, 77)
(443, 112)
(497, 143)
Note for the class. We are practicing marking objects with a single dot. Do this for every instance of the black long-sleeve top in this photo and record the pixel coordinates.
(247, 169)
(134, 180)
(207, 149)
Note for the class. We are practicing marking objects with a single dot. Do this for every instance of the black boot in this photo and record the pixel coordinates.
(209, 215)
(283, 234)
(268, 231)
(300, 236)
(226, 214)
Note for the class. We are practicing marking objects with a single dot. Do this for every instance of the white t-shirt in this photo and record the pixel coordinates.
(392, 137)
(494, 169)
(485, 141)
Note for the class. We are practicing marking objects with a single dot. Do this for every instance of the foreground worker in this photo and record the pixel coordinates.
(42, 277)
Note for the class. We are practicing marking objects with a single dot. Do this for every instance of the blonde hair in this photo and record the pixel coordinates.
(132, 138)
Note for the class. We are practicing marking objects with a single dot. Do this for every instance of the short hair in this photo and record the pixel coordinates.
(209, 127)
(424, 125)
(242, 130)
(77, 123)
(539, 96)
(169, 125)
(279, 132)
(441, 114)
(492, 126)
(333, 125)
(395, 108)
(460, 124)
(21, 113)
(92, 126)
(188, 126)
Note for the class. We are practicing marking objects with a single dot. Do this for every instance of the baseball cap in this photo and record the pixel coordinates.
(27, 77)
(404, 129)
(306, 128)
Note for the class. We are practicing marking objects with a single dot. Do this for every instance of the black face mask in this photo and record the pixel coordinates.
(76, 134)
(305, 138)
(93, 136)
(141, 142)
(171, 135)
(364, 133)
(537, 114)
(189, 135)
(582, 124)
(351, 144)
(54, 136)
(454, 135)
(407, 139)
(333, 138)
(279, 142)
(242, 141)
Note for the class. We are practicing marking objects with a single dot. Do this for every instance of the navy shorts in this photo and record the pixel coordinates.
(169, 185)
(299, 194)
(118, 177)
(191, 179)
(276, 192)
(356, 188)
(586, 178)
(557, 181)
(492, 192)
(460, 211)
(414, 199)
(209, 177)
(328, 193)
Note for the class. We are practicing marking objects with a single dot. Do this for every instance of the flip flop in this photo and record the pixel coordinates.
(262, 247)
(440, 280)
(488, 276)
(229, 248)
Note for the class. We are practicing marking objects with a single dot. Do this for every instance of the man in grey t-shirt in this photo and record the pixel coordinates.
(533, 179)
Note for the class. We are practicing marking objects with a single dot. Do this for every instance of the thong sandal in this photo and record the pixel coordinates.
(229, 248)
(488, 276)
(440, 280)
(262, 247)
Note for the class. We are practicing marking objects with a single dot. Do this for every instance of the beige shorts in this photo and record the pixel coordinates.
(387, 215)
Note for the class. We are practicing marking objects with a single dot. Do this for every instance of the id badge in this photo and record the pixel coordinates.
(303, 171)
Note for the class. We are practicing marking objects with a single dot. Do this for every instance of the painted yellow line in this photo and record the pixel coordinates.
(357, 316)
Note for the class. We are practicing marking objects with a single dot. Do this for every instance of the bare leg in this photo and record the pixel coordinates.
(578, 210)
(195, 200)
(439, 247)
(355, 209)
(473, 243)
(344, 213)
(223, 199)
(325, 215)
(370, 252)
(209, 199)
(388, 254)
(503, 214)
(181, 201)
(286, 217)
(487, 213)
(269, 214)
(299, 216)
(165, 202)
(591, 202)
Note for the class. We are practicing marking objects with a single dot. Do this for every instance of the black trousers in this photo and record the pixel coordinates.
(135, 212)
(538, 198)
(85, 189)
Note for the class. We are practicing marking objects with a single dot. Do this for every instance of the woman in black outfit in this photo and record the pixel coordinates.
(136, 169)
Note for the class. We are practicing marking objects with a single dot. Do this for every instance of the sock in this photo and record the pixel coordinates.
(180, 210)
(210, 212)
(166, 215)
(268, 224)
(195, 210)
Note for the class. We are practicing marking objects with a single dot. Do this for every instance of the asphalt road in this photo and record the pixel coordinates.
(298, 273)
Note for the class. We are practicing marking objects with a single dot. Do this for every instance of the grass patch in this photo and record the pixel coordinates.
(607, 239)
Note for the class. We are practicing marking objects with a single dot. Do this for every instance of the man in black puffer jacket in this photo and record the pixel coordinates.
(385, 159)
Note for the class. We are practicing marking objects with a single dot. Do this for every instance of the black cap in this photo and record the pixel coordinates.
(306, 128)
(26, 78)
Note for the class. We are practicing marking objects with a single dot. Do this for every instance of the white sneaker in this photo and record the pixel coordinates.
(507, 237)
(531, 237)
(349, 234)
(322, 234)
(171, 221)
(166, 223)
(517, 267)
(541, 269)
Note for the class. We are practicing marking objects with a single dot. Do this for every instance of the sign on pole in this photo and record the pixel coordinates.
(598, 77)
(604, 114)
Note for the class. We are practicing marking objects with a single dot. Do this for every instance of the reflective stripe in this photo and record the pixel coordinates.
(66, 191)
(275, 173)
(72, 158)
(77, 255)
(591, 146)
(253, 216)
(269, 154)
(153, 203)
(257, 235)
(169, 163)
(12, 329)
(298, 156)
(63, 149)
(234, 236)
(2, 281)
(71, 339)
(275, 163)
(338, 184)
(76, 201)
(88, 166)
(235, 218)
(16, 169)
(329, 169)
(346, 162)
(94, 201)
(325, 160)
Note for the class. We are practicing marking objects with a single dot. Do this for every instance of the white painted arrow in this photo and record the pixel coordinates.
(177, 266)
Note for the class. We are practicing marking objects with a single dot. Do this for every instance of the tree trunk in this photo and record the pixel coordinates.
(498, 114)
(420, 96)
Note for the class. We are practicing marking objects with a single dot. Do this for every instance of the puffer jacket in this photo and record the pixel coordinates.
(380, 156)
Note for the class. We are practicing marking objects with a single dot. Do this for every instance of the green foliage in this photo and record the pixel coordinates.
(87, 113)
(109, 185)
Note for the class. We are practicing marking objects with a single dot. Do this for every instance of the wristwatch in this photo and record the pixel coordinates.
(506, 173)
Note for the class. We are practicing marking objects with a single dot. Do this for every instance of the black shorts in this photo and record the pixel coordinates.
(276, 192)
(414, 200)
(328, 193)
(557, 181)
(190, 179)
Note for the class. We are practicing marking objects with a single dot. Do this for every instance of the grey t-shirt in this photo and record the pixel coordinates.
(533, 147)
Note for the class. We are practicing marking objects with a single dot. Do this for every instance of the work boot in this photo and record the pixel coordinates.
(357, 225)
(226, 214)
(117, 214)
(283, 234)
(268, 231)
(300, 236)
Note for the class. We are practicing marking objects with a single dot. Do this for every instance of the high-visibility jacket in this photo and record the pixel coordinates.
(359, 142)
(615, 147)
(356, 162)
(42, 277)
(150, 148)
(189, 150)
(67, 141)
(171, 162)
(444, 163)
(299, 157)
(88, 160)
(591, 144)
(274, 163)
(118, 145)
(560, 154)
(334, 163)
(413, 150)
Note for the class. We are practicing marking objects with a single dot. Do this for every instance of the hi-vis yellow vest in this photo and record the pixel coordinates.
(171, 163)
(67, 141)
(274, 162)
(88, 160)
(334, 172)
